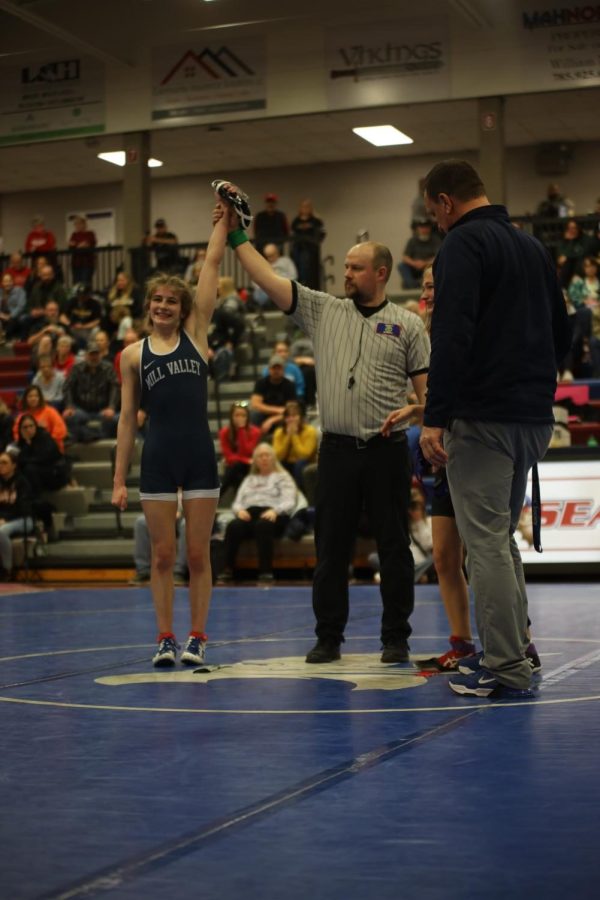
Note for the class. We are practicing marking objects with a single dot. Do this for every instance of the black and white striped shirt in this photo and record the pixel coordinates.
(362, 362)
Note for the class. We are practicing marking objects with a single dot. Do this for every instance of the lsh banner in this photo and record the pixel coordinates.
(51, 98)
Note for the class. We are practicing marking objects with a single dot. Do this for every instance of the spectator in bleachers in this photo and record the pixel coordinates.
(263, 505)
(50, 381)
(44, 347)
(295, 442)
(123, 294)
(291, 371)
(419, 252)
(421, 540)
(40, 460)
(15, 509)
(46, 287)
(418, 210)
(102, 341)
(18, 270)
(46, 416)
(83, 258)
(584, 293)
(6, 425)
(227, 327)
(282, 265)
(584, 289)
(65, 358)
(571, 250)
(51, 322)
(91, 398)
(130, 337)
(555, 206)
(238, 440)
(192, 273)
(83, 312)
(37, 265)
(307, 235)
(302, 353)
(270, 395)
(270, 225)
(40, 241)
(165, 246)
(13, 301)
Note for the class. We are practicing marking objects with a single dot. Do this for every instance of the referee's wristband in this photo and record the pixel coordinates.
(237, 237)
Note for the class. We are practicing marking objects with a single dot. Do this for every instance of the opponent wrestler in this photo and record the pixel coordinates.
(165, 374)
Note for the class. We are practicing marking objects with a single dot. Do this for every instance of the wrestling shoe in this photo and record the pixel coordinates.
(166, 653)
(448, 662)
(484, 684)
(232, 194)
(325, 650)
(395, 652)
(194, 651)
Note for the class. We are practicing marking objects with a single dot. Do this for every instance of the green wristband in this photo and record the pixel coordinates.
(237, 237)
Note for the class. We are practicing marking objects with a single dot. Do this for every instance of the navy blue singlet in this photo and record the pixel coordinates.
(178, 450)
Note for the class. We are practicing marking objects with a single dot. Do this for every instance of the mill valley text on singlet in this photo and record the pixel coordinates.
(174, 391)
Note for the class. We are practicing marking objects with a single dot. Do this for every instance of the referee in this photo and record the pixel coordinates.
(365, 349)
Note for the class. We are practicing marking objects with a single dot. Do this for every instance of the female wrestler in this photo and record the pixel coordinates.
(165, 374)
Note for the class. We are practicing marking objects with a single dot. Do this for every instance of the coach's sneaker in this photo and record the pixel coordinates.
(473, 663)
(194, 651)
(448, 662)
(237, 198)
(531, 655)
(484, 684)
(166, 653)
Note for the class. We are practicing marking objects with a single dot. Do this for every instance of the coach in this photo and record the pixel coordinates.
(499, 329)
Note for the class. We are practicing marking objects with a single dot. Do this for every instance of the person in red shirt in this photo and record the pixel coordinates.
(18, 271)
(39, 240)
(83, 258)
(65, 358)
(237, 440)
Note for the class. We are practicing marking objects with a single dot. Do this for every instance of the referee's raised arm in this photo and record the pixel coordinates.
(278, 289)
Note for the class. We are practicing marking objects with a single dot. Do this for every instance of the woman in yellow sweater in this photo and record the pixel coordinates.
(295, 442)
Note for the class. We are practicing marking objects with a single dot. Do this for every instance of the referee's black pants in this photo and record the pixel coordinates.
(375, 476)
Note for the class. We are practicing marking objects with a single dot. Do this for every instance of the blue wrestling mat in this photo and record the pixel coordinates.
(263, 778)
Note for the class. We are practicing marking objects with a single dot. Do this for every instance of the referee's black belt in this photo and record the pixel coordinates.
(356, 443)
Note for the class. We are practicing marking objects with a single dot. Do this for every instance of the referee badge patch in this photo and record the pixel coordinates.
(387, 328)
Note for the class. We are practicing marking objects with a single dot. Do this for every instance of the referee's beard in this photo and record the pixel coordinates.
(354, 294)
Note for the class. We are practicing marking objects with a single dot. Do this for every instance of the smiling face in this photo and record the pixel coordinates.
(427, 289)
(165, 307)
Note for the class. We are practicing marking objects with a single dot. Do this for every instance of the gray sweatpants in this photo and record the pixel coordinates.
(488, 463)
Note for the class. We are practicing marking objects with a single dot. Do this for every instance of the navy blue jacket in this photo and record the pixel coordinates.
(499, 326)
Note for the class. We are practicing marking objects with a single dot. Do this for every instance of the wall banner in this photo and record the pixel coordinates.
(390, 62)
(570, 513)
(214, 78)
(51, 98)
(560, 46)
